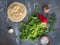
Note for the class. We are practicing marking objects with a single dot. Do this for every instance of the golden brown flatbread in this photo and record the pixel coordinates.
(16, 11)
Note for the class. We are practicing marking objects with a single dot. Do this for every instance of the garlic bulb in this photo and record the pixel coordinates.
(11, 31)
(44, 40)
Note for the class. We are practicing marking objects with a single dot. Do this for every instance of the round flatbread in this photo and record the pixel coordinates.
(16, 11)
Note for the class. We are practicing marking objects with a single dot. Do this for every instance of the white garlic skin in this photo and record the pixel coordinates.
(44, 40)
(11, 31)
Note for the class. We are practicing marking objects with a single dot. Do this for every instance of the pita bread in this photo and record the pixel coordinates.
(16, 12)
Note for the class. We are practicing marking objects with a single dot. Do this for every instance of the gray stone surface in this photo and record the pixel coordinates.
(6, 39)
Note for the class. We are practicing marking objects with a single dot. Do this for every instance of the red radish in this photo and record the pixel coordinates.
(42, 18)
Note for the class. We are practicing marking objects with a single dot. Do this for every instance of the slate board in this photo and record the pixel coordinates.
(6, 39)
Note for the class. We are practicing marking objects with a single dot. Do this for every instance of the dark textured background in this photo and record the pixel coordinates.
(6, 39)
